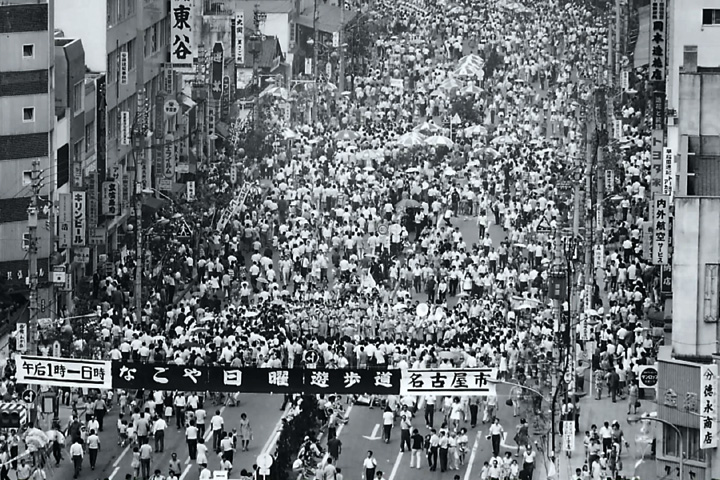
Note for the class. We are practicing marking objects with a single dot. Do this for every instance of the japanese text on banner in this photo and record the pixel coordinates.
(708, 406)
(459, 382)
(63, 372)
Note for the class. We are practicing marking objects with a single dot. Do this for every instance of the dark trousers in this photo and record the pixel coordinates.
(192, 448)
(429, 414)
(160, 440)
(57, 452)
(77, 464)
(495, 445)
(528, 468)
(4, 470)
(180, 416)
(201, 430)
(93, 452)
(404, 439)
(216, 440)
(386, 432)
(100, 415)
(14, 454)
(473, 414)
(607, 444)
(433, 458)
(443, 459)
(369, 474)
(228, 455)
(145, 468)
(332, 433)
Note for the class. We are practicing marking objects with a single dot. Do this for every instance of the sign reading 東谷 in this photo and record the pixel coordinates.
(450, 381)
(181, 32)
(708, 405)
(63, 372)
(255, 380)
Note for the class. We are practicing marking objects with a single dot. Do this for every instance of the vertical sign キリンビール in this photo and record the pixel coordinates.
(79, 219)
(181, 32)
(708, 405)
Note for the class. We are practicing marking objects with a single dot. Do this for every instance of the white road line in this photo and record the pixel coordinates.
(185, 472)
(187, 460)
(396, 466)
(374, 434)
(120, 457)
(274, 433)
(114, 472)
(347, 417)
(473, 454)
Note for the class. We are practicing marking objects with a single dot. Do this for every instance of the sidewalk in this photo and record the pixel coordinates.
(604, 410)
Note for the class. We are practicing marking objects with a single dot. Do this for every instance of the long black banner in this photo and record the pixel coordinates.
(154, 376)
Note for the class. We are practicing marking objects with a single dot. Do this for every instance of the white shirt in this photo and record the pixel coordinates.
(217, 422)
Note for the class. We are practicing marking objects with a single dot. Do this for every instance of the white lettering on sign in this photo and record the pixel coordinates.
(79, 219)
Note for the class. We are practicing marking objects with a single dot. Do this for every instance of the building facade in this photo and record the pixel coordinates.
(27, 118)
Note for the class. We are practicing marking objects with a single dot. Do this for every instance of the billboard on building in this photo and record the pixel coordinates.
(658, 36)
(182, 46)
(79, 228)
(661, 229)
(240, 38)
(125, 127)
(708, 405)
(217, 70)
(65, 215)
(110, 199)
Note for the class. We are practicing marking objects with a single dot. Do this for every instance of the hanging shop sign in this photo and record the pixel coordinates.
(63, 372)
(181, 32)
(110, 200)
(123, 68)
(124, 127)
(451, 381)
(190, 190)
(65, 216)
(656, 162)
(255, 380)
(661, 210)
(79, 229)
(217, 70)
(240, 38)
(658, 36)
(667, 172)
(708, 405)
(21, 337)
(169, 158)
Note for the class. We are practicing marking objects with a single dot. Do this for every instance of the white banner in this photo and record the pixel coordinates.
(599, 256)
(668, 179)
(240, 38)
(110, 199)
(708, 405)
(190, 186)
(308, 66)
(661, 229)
(63, 372)
(182, 40)
(79, 228)
(449, 381)
(568, 436)
(124, 127)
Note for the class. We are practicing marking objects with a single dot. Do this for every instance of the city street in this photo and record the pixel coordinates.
(114, 462)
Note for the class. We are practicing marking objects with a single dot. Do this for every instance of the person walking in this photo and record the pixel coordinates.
(388, 419)
(158, 429)
(145, 459)
(369, 465)
(100, 409)
(405, 424)
(191, 437)
(528, 461)
(334, 448)
(416, 448)
(93, 447)
(433, 446)
(216, 423)
(443, 445)
(76, 453)
(245, 432)
(430, 410)
(495, 436)
(174, 467)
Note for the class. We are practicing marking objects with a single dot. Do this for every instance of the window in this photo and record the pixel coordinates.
(78, 150)
(27, 177)
(29, 50)
(711, 16)
(112, 12)
(78, 99)
(112, 123)
(130, 8)
(28, 114)
(130, 49)
(164, 27)
(690, 439)
(112, 67)
(154, 37)
(89, 135)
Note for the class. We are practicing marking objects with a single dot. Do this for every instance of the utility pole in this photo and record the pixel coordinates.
(315, 64)
(32, 256)
(138, 248)
(341, 52)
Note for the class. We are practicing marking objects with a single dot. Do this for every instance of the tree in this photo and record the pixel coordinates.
(360, 35)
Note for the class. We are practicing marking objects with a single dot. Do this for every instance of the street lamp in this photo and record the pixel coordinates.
(647, 416)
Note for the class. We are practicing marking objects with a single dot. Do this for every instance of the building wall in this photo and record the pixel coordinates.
(11, 46)
(698, 100)
(699, 247)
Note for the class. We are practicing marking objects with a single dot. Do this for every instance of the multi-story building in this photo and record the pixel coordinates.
(27, 118)
(128, 42)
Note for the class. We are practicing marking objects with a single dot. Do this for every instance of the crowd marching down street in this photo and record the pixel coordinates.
(384, 237)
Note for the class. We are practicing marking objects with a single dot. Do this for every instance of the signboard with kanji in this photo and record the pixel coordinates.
(65, 220)
(79, 229)
(708, 405)
(110, 199)
(63, 372)
(661, 210)
(181, 32)
(240, 38)
(450, 381)
(658, 36)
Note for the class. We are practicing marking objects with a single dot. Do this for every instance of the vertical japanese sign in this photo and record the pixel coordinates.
(190, 190)
(92, 201)
(211, 120)
(217, 70)
(308, 66)
(125, 192)
(568, 438)
(123, 68)
(79, 228)
(110, 200)
(124, 127)
(658, 24)
(667, 172)
(661, 210)
(240, 38)
(708, 405)
(658, 110)
(64, 220)
(169, 159)
(168, 78)
(225, 105)
(656, 162)
(21, 338)
(181, 32)
(609, 181)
